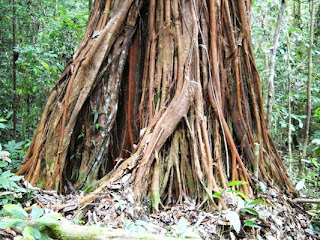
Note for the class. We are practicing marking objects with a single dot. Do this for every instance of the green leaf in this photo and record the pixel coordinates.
(6, 223)
(241, 194)
(95, 117)
(2, 126)
(7, 174)
(36, 213)
(251, 223)
(250, 211)
(45, 236)
(216, 195)
(48, 219)
(80, 135)
(313, 212)
(236, 183)
(13, 146)
(16, 211)
(315, 162)
(3, 164)
(15, 178)
(257, 201)
(316, 151)
(36, 233)
(234, 219)
(28, 233)
(46, 66)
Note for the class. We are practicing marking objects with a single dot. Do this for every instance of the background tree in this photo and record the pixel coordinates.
(271, 91)
(308, 87)
(15, 55)
(180, 103)
(44, 42)
(296, 21)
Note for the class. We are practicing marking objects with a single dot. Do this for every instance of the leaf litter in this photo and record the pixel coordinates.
(273, 216)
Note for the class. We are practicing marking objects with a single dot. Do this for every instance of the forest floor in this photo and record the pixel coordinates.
(272, 215)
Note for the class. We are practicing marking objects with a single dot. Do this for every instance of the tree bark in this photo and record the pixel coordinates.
(308, 87)
(15, 55)
(271, 90)
(167, 103)
(297, 13)
(289, 106)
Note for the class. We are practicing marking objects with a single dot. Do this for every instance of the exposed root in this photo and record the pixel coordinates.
(173, 97)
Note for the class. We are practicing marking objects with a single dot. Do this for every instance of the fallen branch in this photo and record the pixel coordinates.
(64, 230)
(67, 230)
(306, 200)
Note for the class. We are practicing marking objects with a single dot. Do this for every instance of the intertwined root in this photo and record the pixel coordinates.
(181, 83)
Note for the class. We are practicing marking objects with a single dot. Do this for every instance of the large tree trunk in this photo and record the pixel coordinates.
(167, 102)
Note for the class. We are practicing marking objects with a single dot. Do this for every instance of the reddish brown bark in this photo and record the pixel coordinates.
(176, 93)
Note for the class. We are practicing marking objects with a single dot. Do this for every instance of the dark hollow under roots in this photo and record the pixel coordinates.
(162, 96)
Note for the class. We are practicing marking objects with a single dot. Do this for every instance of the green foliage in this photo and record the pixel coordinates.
(32, 224)
(251, 223)
(295, 31)
(16, 211)
(236, 183)
(15, 150)
(246, 206)
(2, 125)
(315, 223)
(48, 33)
(216, 195)
(9, 189)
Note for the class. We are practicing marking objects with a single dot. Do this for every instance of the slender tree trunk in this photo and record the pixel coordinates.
(297, 13)
(90, 4)
(14, 69)
(56, 8)
(317, 26)
(289, 106)
(168, 103)
(271, 90)
(308, 86)
(266, 60)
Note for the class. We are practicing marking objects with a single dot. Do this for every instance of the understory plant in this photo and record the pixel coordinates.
(31, 226)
